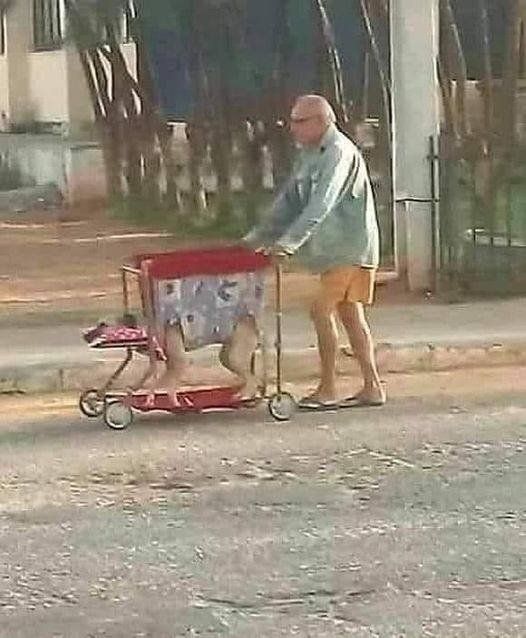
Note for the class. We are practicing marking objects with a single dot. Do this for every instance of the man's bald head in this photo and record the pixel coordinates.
(315, 105)
(310, 118)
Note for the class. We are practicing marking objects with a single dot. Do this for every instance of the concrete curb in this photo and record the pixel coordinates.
(299, 365)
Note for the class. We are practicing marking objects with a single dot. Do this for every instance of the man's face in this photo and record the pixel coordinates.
(306, 125)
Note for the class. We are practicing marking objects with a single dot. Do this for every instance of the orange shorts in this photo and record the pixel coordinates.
(347, 283)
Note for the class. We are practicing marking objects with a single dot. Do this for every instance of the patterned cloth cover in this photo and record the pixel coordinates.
(207, 307)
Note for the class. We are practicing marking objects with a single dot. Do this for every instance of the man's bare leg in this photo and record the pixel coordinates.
(355, 322)
(327, 334)
(175, 360)
(149, 379)
(236, 355)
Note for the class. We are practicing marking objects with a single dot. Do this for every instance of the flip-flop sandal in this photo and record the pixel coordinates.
(356, 402)
(314, 405)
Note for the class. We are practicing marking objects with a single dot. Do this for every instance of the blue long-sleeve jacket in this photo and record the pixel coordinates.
(325, 214)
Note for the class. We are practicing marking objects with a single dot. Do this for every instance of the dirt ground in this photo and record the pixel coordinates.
(58, 262)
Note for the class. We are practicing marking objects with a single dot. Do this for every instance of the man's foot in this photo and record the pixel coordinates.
(322, 399)
(324, 394)
(312, 404)
(169, 383)
(148, 383)
(373, 397)
(249, 391)
(152, 396)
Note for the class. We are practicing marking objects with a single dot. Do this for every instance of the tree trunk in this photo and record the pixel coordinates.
(197, 152)
(251, 142)
(112, 126)
(485, 45)
(366, 87)
(149, 139)
(196, 128)
(447, 99)
(128, 114)
(278, 104)
(222, 129)
(157, 127)
(109, 148)
(511, 74)
(455, 57)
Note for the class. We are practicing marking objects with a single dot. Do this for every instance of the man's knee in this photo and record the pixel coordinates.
(320, 310)
(351, 312)
(224, 355)
(239, 349)
(174, 343)
(245, 334)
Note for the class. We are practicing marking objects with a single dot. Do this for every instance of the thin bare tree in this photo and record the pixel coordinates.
(329, 63)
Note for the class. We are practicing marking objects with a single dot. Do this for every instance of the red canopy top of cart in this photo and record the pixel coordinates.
(210, 261)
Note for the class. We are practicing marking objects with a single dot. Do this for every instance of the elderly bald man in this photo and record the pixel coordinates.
(325, 217)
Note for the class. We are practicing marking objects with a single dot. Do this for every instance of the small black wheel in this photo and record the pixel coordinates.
(282, 406)
(91, 404)
(117, 415)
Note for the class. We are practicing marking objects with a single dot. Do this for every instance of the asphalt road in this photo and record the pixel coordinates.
(403, 521)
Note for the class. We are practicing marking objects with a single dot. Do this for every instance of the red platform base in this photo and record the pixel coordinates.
(187, 400)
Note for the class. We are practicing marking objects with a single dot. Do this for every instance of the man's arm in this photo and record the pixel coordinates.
(281, 214)
(338, 173)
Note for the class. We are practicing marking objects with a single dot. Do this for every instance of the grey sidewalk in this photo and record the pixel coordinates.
(410, 338)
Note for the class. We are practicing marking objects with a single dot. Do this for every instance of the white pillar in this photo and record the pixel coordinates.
(416, 116)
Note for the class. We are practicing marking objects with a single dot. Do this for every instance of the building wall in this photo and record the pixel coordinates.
(85, 174)
(130, 55)
(4, 93)
(76, 169)
(45, 86)
(18, 44)
(48, 86)
(79, 101)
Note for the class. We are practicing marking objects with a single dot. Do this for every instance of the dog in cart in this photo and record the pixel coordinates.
(191, 299)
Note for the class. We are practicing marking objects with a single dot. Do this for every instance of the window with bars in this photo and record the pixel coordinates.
(47, 24)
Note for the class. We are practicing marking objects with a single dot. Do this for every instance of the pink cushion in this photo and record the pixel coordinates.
(104, 336)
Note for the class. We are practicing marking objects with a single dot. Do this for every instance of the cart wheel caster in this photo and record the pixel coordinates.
(282, 406)
(91, 404)
(117, 415)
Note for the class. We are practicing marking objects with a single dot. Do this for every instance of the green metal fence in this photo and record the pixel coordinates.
(482, 227)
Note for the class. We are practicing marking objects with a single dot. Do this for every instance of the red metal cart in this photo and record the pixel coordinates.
(151, 271)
